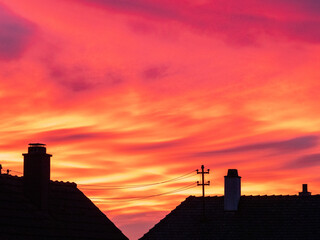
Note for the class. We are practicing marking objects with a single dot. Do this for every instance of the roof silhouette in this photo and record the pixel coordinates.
(70, 214)
(258, 217)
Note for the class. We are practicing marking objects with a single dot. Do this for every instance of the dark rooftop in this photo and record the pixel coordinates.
(258, 217)
(70, 215)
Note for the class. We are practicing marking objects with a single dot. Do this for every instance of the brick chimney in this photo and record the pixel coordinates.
(304, 190)
(232, 190)
(36, 174)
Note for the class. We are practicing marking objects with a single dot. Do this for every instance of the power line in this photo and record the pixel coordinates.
(16, 172)
(106, 187)
(150, 196)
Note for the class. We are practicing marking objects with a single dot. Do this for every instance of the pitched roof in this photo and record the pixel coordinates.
(70, 215)
(258, 217)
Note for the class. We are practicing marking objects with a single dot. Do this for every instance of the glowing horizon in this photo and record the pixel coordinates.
(135, 92)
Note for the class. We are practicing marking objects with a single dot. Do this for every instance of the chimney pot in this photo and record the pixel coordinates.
(232, 173)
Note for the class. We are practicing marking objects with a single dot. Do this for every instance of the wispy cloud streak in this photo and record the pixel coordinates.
(281, 147)
(16, 34)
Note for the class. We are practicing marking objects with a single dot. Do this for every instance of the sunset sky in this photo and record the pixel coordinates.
(134, 92)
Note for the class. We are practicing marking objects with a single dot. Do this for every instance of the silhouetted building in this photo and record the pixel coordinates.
(34, 207)
(246, 217)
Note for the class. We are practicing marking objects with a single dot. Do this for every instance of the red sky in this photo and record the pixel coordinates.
(136, 92)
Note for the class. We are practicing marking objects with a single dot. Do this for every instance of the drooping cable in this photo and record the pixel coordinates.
(106, 187)
(103, 199)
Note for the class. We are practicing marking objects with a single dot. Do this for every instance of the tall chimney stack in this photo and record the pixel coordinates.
(36, 174)
(232, 190)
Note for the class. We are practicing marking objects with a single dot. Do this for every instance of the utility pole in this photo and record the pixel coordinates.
(203, 184)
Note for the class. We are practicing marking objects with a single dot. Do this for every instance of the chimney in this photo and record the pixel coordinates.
(36, 174)
(304, 190)
(232, 190)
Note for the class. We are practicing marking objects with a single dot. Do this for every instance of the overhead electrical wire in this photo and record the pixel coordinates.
(120, 199)
(15, 171)
(104, 199)
(106, 187)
